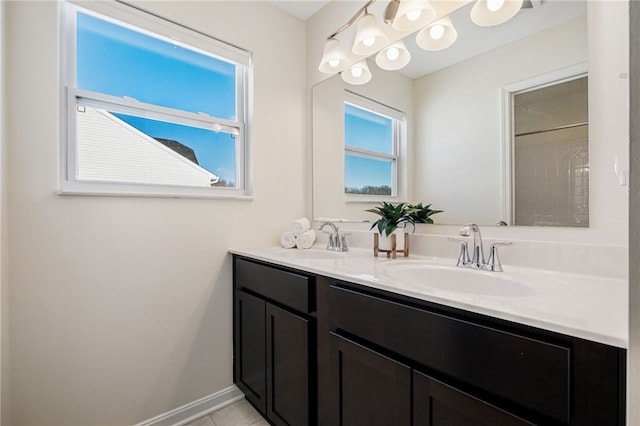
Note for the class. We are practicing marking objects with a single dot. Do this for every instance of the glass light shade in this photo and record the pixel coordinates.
(393, 57)
(369, 36)
(334, 59)
(427, 40)
(488, 13)
(413, 14)
(357, 74)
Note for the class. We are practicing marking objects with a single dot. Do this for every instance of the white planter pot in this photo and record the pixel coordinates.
(384, 241)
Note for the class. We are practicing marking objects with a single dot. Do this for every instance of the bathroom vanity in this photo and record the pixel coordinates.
(333, 339)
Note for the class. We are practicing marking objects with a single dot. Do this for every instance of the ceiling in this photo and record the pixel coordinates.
(303, 9)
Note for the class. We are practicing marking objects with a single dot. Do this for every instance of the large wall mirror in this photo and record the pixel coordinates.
(457, 148)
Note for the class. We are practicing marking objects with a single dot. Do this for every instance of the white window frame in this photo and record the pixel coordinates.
(398, 130)
(72, 96)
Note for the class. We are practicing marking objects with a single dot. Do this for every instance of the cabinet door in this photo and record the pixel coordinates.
(437, 404)
(288, 378)
(249, 348)
(371, 389)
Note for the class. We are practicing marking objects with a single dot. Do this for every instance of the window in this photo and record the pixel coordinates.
(152, 108)
(372, 134)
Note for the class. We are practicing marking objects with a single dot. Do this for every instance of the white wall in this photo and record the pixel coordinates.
(121, 307)
(459, 117)
(608, 118)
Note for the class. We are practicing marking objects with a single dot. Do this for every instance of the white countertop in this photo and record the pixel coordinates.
(592, 308)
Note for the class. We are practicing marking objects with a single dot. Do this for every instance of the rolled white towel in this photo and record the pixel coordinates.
(306, 239)
(300, 225)
(288, 240)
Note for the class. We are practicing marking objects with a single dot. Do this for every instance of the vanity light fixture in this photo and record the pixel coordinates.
(413, 15)
(369, 37)
(488, 13)
(334, 59)
(357, 74)
(436, 32)
(393, 57)
(437, 36)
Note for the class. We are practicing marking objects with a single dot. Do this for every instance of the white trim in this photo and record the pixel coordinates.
(153, 191)
(364, 198)
(196, 409)
(507, 155)
(507, 92)
(365, 153)
(373, 106)
(145, 110)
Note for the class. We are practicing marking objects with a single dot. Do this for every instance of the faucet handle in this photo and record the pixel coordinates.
(493, 264)
(343, 241)
(332, 240)
(463, 257)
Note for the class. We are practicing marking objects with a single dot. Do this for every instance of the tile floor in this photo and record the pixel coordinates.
(240, 413)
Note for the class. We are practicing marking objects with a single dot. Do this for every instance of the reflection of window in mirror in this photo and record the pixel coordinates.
(371, 145)
(551, 155)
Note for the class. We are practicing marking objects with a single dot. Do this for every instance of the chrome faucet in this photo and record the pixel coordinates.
(477, 257)
(476, 260)
(336, 242)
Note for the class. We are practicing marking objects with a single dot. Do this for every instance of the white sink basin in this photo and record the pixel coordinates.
(452, 279)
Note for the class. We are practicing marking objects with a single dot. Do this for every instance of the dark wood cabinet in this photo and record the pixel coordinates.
(371, 389)
(502, 363)
(274, 350)
(288, 369)
(479, 370)
(313, 350)
(438, 404)
(250, 348)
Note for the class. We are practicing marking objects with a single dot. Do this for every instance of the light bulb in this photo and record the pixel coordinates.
(436, 32)
(489, 13)
(369, 41)
(414, 14)
(494, 5)
(356, 72)
(334, 63)
(393, 53)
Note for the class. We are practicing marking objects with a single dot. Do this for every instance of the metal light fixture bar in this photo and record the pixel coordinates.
(354, 18)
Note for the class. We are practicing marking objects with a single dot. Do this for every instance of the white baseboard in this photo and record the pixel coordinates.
(196, 409)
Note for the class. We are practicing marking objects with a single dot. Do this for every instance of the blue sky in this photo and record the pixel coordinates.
(373, 132)
(162, 73)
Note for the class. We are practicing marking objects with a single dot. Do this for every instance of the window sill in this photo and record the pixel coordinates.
(370, 198)
(151, 191)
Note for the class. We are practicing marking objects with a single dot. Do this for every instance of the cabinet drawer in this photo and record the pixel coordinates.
(289, 288)
(530, 373)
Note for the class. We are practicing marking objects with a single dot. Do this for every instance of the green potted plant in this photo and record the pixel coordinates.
(392, 217)
(422, 214)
